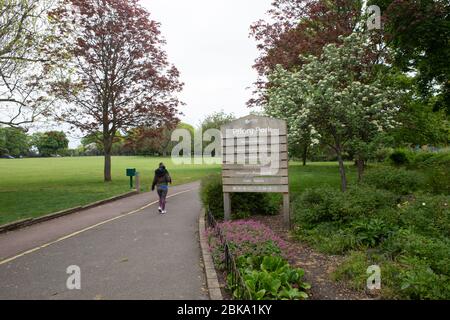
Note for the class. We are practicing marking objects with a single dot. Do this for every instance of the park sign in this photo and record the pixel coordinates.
(255, 159)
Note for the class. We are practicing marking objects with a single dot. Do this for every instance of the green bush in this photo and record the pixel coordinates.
(438, 180)
(401, 157)
(408, 278)
(408, 243)
(211, 194)
(436, 168)
(382, 154)
(243, 205)
(427, 215)
(421, 157)
(371, 232)
(419, 281)
(328, 237)
(440, 159)
(399, 181)
(327, 204)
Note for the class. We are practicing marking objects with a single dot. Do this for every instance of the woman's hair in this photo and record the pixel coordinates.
(161, 164)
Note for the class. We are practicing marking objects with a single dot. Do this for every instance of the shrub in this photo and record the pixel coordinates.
(419, 281)
(382, 154)
(327, 204)
(314, 206)
(243, 205)
(371, 232)
(401, 157)
(211, 194)
(441, 159)
(435, 166)
(427, 215)
(328, 237)
(420, 157)
(400, 181)
(408, 243)
(249, 237)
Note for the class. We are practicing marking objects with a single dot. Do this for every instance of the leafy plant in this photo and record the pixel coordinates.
(400, 181)
(400, 157)
(271, 277)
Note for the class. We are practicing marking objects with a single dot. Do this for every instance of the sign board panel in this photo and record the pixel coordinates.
(252, 141)
(252, 158)
(255, 159)
(261, 189)
(233, 166)
(254, 172)
(256, 180)
(254, 149)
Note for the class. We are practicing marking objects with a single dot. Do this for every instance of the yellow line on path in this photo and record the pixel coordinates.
(87, 229)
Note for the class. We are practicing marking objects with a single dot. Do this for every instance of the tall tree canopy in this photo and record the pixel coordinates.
(50, 143)
(418, 31)
(24, 33)
(13, 141)
(299, 27)
(117, 75)
(339, 96)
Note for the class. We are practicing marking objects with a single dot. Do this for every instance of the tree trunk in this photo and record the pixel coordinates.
(360, 165)
(305, 154)
(107, 168)
(342, 171)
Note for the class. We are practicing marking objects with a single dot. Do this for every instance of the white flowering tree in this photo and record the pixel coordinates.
(340, 98)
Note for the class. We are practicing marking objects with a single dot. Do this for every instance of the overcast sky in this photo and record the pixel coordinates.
(208, 41)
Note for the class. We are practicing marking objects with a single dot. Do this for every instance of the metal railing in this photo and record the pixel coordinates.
(235, 280)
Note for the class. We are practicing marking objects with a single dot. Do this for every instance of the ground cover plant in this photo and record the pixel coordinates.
(262, 259)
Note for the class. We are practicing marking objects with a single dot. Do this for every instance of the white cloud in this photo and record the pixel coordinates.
(208, 41)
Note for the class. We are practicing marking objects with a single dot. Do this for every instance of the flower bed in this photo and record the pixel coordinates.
(261, 258)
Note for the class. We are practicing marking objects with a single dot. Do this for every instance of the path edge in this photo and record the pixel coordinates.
(212, 282)
(31, 221)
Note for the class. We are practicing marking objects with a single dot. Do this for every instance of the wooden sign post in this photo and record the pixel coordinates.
(255, 159)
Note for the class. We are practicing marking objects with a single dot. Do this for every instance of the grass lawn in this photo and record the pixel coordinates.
(318, 174)
(34, 187)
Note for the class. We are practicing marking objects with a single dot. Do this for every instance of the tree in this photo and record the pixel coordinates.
(119, 76)
(213, 121)
(216, 119)
(13, 141)
(299, 27)
(418, 31)
(24, 34)
(339, 95)
(296, 28)
(50, 143)
(151, 141)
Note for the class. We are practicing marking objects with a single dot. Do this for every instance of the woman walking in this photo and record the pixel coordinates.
(161, 181)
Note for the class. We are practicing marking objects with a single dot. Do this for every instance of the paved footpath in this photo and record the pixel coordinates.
(125, 250)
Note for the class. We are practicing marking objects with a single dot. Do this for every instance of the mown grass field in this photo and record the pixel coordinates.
(34, 187)
(317, 174)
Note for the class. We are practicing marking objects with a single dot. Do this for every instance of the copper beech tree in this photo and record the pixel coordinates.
(114, 74)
